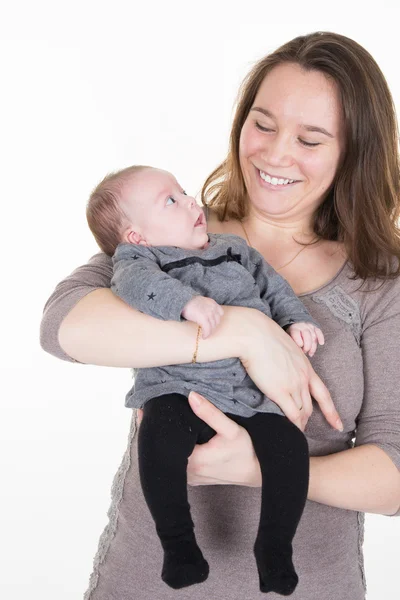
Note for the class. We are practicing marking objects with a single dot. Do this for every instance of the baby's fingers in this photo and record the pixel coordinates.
(320, 336)
(213, 320)
(297, 337)
(206, 327)
(307, 339)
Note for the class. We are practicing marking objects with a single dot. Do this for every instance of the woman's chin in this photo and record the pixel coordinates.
(271, 204)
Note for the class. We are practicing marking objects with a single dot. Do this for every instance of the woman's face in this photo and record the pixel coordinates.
(291, 143)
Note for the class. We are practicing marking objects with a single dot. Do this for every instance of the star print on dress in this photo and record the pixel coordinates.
(151, 296)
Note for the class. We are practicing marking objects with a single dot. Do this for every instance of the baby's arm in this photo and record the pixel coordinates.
(139, 281)
(286, 308)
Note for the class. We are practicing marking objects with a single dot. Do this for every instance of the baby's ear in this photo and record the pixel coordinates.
(133, 237)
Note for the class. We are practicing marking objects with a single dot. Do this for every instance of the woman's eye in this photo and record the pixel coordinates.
(170, 198)
(261, 128)
(303, 142)
(308, 144)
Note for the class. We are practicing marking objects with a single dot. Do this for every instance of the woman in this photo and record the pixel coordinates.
(312, 182)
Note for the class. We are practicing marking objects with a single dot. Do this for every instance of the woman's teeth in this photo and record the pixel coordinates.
(274, 180)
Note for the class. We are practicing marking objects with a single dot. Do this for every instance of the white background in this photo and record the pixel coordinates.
(88, 87)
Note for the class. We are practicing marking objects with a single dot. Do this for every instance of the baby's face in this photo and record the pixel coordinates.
(162, 213)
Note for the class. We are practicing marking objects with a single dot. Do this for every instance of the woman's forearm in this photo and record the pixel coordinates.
(362, 478)
(103, 330)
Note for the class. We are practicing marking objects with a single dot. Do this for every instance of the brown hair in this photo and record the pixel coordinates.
(104, 214)
(362, 209)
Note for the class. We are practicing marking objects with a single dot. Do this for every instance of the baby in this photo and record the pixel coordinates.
(166, 265)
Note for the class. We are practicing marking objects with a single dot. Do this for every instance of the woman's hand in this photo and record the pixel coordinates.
(284, 374)
(228, 458)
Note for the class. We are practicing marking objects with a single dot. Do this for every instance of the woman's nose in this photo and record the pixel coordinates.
(278, 151)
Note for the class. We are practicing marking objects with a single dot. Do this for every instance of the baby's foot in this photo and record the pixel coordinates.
(184, 565)
(275, 569)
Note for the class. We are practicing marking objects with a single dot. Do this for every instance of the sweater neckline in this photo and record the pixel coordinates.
(314, 291)
(327, 283)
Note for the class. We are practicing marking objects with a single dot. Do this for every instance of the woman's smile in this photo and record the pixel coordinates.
(274, 182)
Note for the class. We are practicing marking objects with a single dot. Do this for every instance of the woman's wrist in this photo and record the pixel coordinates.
(235, 336)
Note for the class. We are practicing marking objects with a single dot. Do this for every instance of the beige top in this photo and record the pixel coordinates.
(359, 364)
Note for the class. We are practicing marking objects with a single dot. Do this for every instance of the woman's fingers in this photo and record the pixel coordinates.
(297, 400)
(323, 397)
(307, 402)
(290, 404)
(211, 415)
(298, 414)
(307, 407)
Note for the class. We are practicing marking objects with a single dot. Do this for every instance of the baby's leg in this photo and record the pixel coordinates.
(282, 451)
(167, 436)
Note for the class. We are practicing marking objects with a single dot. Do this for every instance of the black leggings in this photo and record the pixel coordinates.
(167, 436)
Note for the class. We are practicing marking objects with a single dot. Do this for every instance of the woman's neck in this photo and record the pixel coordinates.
(278, 233)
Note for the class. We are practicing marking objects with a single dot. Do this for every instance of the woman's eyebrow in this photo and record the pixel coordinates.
(269, 114)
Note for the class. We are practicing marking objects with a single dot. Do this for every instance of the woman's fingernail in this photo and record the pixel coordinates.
(195, 398)
(339, 425)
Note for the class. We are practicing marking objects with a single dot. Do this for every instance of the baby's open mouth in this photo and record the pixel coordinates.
(200, 220)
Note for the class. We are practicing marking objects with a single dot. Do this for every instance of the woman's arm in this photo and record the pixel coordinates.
(84, 321)
(103, 330)
(363, 478)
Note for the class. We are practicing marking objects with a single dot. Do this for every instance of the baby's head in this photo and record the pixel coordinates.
(146, 206)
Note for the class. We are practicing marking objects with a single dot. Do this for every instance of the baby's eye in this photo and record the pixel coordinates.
(183, 192)
(170, 198)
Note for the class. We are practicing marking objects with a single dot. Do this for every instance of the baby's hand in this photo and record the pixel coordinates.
(307, 336)
(205, 312)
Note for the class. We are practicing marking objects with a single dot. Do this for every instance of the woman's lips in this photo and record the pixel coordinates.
(270, 186)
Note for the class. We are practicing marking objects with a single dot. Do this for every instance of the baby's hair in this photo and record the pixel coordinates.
(104, 213)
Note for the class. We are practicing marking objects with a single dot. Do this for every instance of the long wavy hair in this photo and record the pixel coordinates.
(362, 208)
